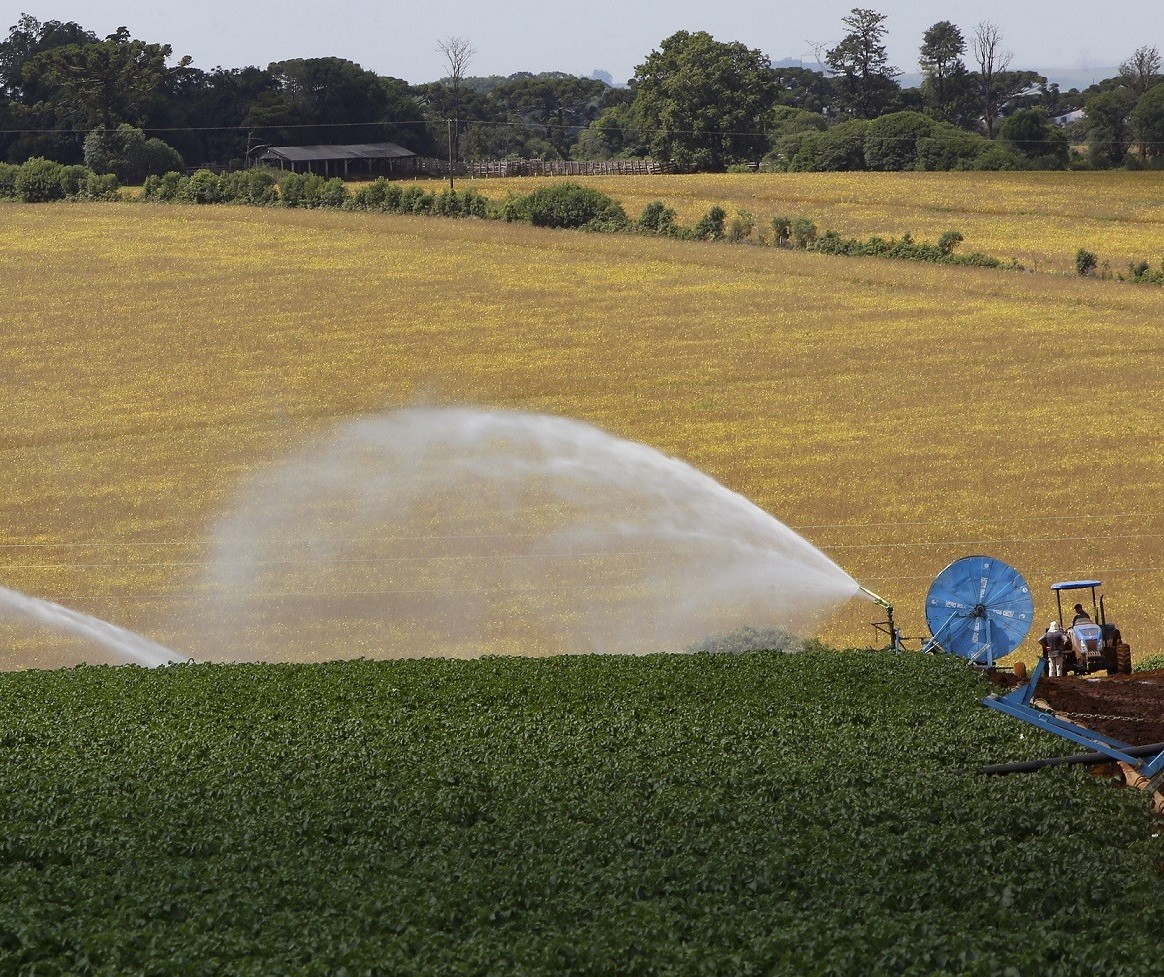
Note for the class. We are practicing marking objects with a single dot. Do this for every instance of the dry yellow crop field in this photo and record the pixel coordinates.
(899, 415)
(1040, 219)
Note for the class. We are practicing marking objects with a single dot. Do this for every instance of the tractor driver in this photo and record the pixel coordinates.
(1054, 643)
(1081, 616)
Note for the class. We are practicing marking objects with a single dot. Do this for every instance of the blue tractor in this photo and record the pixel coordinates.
(1096, 643)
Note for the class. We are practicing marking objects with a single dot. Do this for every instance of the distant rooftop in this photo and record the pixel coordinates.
(367, 150)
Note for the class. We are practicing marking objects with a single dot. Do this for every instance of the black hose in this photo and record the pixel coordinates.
(1086, 759)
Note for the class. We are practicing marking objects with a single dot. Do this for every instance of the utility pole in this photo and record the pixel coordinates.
(450, 122)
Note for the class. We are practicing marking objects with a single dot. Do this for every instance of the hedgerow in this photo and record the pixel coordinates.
(904, 247)
(40, 180)
(752, 813)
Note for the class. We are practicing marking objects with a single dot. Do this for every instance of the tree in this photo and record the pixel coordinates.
(840, 148)
(1148, 122)
(1108, 122)
(1142, 70)
(614, 134)
(1032, 134)
(861, 65)
(458, 54)
(107, 82)
(891, 140)
(941, 63)
(560, 105)
(28, 38)
(702, 102)
(129, 155)
(993, 61)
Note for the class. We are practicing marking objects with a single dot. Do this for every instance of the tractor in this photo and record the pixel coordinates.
(1095, 642)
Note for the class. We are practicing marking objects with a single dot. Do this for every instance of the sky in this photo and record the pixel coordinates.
(400, 39)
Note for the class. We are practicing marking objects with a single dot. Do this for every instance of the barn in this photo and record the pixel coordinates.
(358, 159)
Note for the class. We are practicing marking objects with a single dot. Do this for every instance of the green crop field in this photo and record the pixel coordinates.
(707, 814)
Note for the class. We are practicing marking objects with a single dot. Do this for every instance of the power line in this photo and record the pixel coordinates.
(334, 540)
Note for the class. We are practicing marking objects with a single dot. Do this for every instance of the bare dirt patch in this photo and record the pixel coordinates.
(1128, 707)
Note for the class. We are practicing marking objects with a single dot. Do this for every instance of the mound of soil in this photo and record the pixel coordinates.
(1128, 707)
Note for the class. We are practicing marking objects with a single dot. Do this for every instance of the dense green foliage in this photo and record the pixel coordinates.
(695, 100)
(568, 206)
(40, 180)
(702, 102)
(758, 813)
(129, 155)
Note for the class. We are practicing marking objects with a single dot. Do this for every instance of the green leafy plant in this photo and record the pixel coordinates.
(710, 227)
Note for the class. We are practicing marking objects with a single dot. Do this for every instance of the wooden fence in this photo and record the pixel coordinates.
(481, 169)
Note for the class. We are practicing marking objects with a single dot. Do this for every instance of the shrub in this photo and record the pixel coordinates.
(992, 156)
(781, 231)
(300, 189)
(802, 231)
(164, 189)
(382, 195)
(710, 226)
(40, 180)
(949, 241)
(474, 204)
(370, 196)
(515, 209)
(255, 187)
(200, 187)
(656, 218)
(467, 203)
(415, 200)
(100, 186)
(740, 227)
(571, 206)
(333, 193)
(1085, 261)
(1142, 273)
(73, 179)
(8, 173)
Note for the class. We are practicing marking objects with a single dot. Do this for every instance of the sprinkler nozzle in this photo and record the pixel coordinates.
(875, 598)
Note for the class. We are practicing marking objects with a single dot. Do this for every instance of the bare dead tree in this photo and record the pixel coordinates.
(986, 46)
(1142, 70)
(458, 54)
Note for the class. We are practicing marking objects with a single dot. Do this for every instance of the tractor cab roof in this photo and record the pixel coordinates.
(1076, 585)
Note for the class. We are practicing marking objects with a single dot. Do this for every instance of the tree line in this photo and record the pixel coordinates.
(126, 106)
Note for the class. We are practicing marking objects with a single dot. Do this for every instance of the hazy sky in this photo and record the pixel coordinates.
(396, 38)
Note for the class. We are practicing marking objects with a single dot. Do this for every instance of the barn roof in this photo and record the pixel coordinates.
(366, 150)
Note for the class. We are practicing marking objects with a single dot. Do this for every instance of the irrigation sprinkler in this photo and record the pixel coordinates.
(886, 627)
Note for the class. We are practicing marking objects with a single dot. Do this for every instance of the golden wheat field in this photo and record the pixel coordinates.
(899, 415)
(1039, 219)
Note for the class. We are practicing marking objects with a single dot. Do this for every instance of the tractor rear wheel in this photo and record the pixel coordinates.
(1124, 658)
